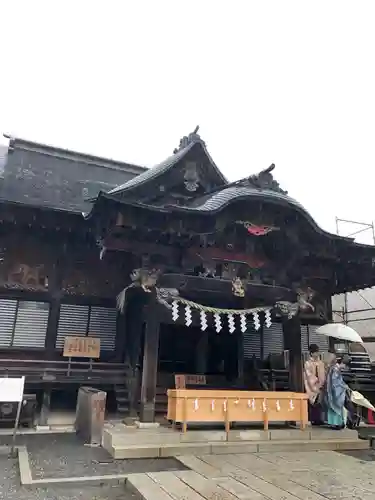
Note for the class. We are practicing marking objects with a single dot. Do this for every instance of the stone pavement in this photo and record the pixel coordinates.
(267, 476)
(11, 489)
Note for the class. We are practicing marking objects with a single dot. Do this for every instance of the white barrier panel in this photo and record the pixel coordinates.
(11, 390)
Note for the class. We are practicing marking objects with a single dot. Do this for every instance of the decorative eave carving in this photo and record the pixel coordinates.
(263, 180)
(191, 177)
(193, 137)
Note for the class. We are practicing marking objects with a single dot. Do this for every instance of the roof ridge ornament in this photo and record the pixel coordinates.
(189, 139)
(263, 180)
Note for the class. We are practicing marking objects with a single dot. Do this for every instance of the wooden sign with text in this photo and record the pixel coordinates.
(181, 381)
(81, 347)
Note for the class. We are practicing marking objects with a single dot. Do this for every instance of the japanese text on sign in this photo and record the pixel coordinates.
(181, 381)
(81, 347)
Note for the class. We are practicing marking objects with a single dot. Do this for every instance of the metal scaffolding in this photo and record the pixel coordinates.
(345, 313)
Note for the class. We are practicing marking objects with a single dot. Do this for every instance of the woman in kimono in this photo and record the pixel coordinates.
(314, 378)
(335, 394)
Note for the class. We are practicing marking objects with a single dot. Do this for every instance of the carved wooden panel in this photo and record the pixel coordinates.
(86, 275)
(25, 264)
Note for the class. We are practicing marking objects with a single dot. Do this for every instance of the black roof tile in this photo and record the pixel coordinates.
(45, 176)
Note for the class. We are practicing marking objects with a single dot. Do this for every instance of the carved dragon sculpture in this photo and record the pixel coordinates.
(146, 280)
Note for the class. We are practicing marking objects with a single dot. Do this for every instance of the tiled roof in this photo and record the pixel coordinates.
(55, 178)
(153, 172)
(163, 167)
(218, 199)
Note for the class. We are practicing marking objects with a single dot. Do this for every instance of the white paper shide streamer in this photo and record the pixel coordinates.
(264, 406)
(188, 320)
(217, 320)
(231, 323)
(256, 320)
(268, 320)
(203, 318)
(243, 323)
(175, 313)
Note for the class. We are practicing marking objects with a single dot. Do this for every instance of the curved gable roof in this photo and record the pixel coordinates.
(187, 143)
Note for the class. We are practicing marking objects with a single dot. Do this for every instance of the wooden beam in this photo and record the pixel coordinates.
(292, 343)
(150, 362)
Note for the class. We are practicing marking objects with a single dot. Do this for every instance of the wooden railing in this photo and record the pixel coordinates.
(42, 371)
(362, 382)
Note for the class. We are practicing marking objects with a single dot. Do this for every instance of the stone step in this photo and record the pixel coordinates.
(124, 436)
(208, 448)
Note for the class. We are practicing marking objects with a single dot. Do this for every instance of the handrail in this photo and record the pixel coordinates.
(56, 370)
(63, 361)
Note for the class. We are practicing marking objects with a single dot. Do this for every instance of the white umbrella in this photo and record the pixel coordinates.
(357, 398)
(339, 331)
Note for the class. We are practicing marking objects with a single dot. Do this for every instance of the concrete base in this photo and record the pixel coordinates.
(130, 421)
(125, 442)
(42, 428)
(147, 425)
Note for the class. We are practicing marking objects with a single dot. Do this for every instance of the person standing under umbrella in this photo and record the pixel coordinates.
(335, 393)
(314, 378)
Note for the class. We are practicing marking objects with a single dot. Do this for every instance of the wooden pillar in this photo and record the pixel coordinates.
(150, 362)
(133, 347)
(201, 353)
(121, 339)
(292, 343)
(55, 283)
(46, 405)
(240, 358)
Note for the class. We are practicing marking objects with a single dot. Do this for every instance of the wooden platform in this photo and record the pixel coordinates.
(127, 442)
(269, 476)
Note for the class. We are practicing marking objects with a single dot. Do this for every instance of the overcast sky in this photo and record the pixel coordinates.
(284, 82)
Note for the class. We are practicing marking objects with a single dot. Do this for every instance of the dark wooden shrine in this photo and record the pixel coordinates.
(52, 282)
(194, 245)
